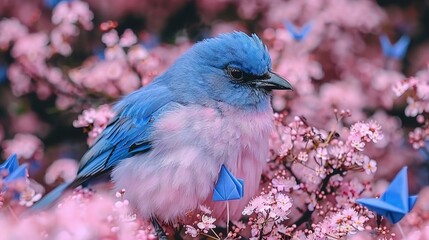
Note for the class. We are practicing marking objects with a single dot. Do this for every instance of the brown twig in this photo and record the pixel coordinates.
(307, 214)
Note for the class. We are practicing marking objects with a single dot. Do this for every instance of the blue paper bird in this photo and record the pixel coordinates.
(228, 187)
(19, 173)
(298, 36)
(395, 203)
(53, 3)
(3, 72)
(397, 50)
(11, 164)
(15, 172)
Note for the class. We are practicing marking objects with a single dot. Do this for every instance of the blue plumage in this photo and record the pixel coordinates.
(126, 135)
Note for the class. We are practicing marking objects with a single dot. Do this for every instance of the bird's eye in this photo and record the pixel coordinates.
(235, 73)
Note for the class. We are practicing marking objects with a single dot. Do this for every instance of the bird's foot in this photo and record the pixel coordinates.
(158, 229)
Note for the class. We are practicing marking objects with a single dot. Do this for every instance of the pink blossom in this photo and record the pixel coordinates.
(414, 107)
(370, 166)
(400, 87)
(32, 46)
(259, 204)
(73, 12)
(320, 171)
(321, 155)
(110, 38)
(128, 38)
(115, 52)
(206, 210)
(62, 169)
(11, 30)
(283, 202)
(206, 223)
(191, 231)
(29, 197)
(21, 82)
(81, 215)
(417, 138)
(341, 224)
(303, 157)
(60, 37)
(137, 54)
(97, 119)
(360, 133)
(283, 184)
(128, 82)
(33, 147)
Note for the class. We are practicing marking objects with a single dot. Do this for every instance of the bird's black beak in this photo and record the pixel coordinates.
(273, 82)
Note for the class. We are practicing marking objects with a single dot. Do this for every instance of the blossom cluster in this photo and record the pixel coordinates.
(122, 65)
(316, 167)
(81, 215)
(416, 89)
(94, 121)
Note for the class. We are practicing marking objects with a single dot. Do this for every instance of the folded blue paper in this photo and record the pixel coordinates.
(395, 203)
(20, 172)
(228, 187)
(396, 50)
(298, 35)
(11, 165)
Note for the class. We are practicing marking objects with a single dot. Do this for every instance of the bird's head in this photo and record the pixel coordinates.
(234, 68)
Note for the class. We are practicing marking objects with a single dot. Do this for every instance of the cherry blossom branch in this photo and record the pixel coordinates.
(307, 214)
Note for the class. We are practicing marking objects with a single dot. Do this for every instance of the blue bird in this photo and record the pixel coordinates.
(168, 140)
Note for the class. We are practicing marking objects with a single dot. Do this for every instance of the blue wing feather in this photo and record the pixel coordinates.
(129, 131)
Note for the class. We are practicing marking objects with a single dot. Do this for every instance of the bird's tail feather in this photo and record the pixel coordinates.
(50, 198)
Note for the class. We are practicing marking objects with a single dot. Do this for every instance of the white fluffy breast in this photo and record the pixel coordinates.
(190, 143)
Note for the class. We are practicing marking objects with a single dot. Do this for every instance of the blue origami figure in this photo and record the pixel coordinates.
(19, 173)
(15, 172)
(11, 164)
(397, 50)
(3, 73)
(301, 35)
(395, 203)
(228, 187)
